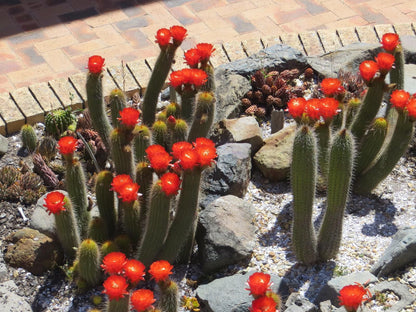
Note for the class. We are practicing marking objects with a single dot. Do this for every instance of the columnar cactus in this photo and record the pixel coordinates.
(364, 150)
(29, 138)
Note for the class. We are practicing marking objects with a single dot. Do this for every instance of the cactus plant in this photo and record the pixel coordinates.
(29, 138)
(89, 262)
(58, 121)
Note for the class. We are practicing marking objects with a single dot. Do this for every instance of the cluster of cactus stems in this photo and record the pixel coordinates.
(161, 155)
(349, 145)
(264, 299)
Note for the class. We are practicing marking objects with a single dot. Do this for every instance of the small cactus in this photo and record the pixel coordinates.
(59, 121)
(29, 138)
(89, 259)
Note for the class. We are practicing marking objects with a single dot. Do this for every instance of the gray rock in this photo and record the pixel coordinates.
(409, 48)
(410, 78)
(10, 301)
(297, 303)
(226, 233)
(402, 251)
(330, 291)
(228, 294)
(239, 130)
(277, 120)
(406, 297)
(325, 306)
(231, 174)
(3, 267)
(4, 145)
(273, 159)
(31, 250)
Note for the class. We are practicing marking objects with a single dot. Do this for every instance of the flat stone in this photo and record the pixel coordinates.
(347, 35)
(218, 57)
(382, 29)
(124, 79)
(10, 301)
(404, 29)
(297, 303)
(270, 41)
(292, 40)
(234, 50)
(311, 43)
(66, 93)
(45, 96)
(251, 46)
(28, 105)
(79, 81)
(367, 34)
(329, 40)
(141, 72)
(4, 145)
(11, 114)
(406, 297)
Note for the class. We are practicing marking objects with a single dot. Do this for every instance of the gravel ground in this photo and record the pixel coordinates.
(369, 224)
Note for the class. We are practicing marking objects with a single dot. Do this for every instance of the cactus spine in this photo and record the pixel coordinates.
(121, 151)
(59, 121)
(169, 296)
(120, 305)
(97, 230)
(117, 103)
(29, 138)
(106, 201)
(131, 219)
(341, 158)
(89, 262)
(204, 116)
(142, 140)
(303, 180)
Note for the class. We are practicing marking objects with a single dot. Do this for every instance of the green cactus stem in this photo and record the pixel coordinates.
(160, 133)
(371, 144)
(67, 230)
(172, 109)
(89, 262)
(29, 138)
(157, 223)
(303, 181)
(341, 159)
(96, 108)
(141, 141)
(117, 103)
(186, 214)
(368, 109)
(59, 121)
(97, 230)
(179, 132)
(106, 201)
(352, 108)
(131, 220)
(76, 186)
(390, 155)
(120, 305)
(397, 72)
(156, 82)
(187, 104)
(204, 116)
(323, 133)
(210, 84)
(123, 243)
(121, 151)
(144, 178)
(169, 297)
(108, 247)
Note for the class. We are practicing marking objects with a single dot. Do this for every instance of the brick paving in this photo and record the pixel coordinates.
(45, 40)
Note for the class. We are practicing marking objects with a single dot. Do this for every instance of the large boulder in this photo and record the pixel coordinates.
(274, 158)
(228, 294)
(226, 233)
(231, 174)
(401, 252)
(31, 250)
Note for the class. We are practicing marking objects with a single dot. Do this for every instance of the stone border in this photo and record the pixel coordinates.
(31, 104)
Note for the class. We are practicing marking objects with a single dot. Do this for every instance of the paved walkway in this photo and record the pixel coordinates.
(45, 42)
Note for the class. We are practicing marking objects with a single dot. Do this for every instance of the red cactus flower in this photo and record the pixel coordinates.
(188, 159)
(263, 304)
(128, 192)
(95, 64)
(154, 149)
(411, 109)
(163, 37)
(331, 86)
(142, 300)
(170, 183)
(352, 296)
(160, 270)
(159, 161)
(192, 57)
(399, 98)
(115, 286)
(129, 116)
(296, 107)
(313, 108)
(205, 50)
(134, 270)
(178, 147)
(54, 202)
(67, 145)
(206, 155)
(178, 34)
(390, 41)
(198, 77)
(119, 181)
(176, 78)
(368, 69)
(385, 61)
(113, 262)
(259, 283)
(203, 142)
(328, 108)
(171, 120)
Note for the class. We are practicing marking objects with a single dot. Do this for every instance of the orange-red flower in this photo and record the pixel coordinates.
(259, 283)
(178, 34)
(154, 149)
(328, 108)
(188, 76)
(390, 41)
(170, 183)
(115, 286)
(113, 262)
(134, 270)
(95, 64)
(67, 145)
(192, 57)
(128, 192)
(206, 155)
(142, 299)
(129, 116)
(352, 296)
(54, 202)
(198, 77)
(399, 98)
(411, 108)
(296, 107)
(119, 181)
(159, 161)
(178, 147)
(331, 86)
(188, 159)
(385, 61)
(263, 304)
(160, 270)
(368, 69)
(312, 108)
(163, 37)
(205, 50)
(203, 142)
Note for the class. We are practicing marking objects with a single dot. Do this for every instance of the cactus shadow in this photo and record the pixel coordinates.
(384, 214)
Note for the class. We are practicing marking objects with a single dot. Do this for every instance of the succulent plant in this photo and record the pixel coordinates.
(58, 121)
